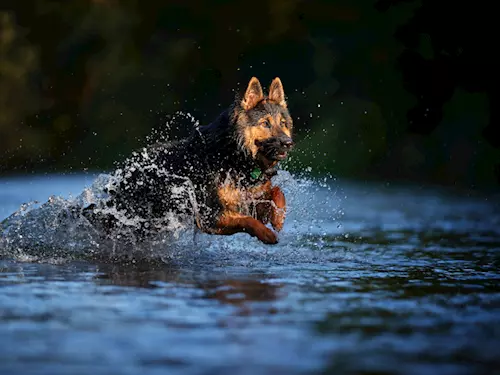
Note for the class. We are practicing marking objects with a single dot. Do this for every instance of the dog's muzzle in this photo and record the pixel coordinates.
(276, 148)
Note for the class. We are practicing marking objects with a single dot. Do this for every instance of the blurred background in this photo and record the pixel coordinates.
(391, 90)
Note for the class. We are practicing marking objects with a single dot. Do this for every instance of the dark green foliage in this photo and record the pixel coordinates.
(83, 82)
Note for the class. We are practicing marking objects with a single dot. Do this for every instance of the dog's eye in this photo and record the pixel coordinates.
(266, 124)
(283, 122)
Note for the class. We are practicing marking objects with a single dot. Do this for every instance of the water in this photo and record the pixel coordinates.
(366, 279)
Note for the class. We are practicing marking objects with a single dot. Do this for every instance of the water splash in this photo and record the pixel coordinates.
(179, 122)
(58, 229)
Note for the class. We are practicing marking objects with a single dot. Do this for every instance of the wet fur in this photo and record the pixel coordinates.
(216, 162)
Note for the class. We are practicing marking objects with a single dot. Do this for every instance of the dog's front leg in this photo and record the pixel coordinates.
(272, 205)
(278, 209)
(231, 223)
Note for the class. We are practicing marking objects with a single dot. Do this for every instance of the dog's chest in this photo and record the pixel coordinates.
(241, 199)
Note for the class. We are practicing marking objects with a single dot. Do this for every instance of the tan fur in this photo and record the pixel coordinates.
(249, 211)
(254, 133)
(231, 197)
(276, 124)
(276, 92)
(259, 191)
(235, 199)
(231, 223)
(287, 131)
(253, 95)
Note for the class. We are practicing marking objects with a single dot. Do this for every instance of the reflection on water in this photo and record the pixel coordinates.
(237, 290)
(226, 290)
(409, 284)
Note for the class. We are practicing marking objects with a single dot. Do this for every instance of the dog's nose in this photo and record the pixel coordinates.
(287, 142)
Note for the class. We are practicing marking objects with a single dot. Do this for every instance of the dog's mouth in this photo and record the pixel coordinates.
(281, 155)
(273, 150)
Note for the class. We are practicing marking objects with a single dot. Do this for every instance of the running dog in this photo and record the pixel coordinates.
(220, 175)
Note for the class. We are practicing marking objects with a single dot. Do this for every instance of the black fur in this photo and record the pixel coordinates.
(210, 154)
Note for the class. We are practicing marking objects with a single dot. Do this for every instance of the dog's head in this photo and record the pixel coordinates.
(263, 123)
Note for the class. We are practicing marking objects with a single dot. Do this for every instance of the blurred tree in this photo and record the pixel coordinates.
(19, 94)
(448, 47)
(102, 74)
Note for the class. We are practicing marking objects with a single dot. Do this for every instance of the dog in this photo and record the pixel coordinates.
(220, 175)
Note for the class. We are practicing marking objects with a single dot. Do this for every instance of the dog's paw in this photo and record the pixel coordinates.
(278, 220)
(267, 236)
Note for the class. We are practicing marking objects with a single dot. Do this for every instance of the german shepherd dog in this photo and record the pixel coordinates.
(220, 175)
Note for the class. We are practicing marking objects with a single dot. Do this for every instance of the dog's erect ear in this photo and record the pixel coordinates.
(253, 95)
(276, 92)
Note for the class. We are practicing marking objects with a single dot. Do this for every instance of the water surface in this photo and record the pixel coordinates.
(366, 279)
